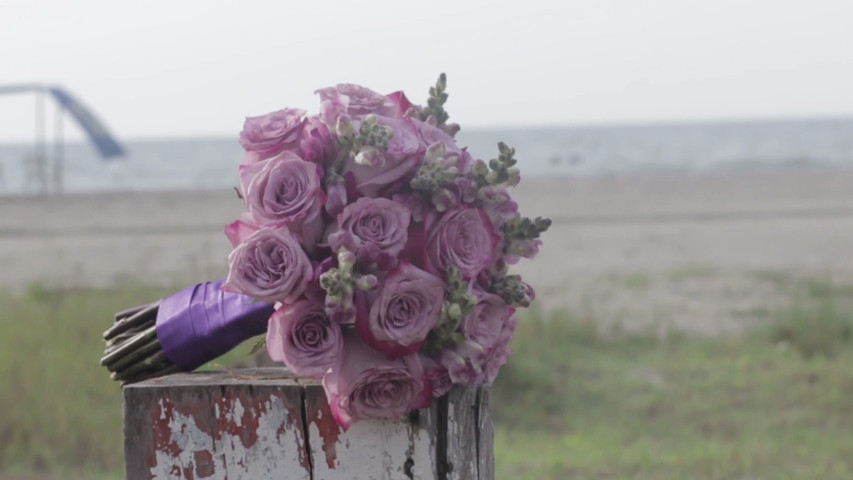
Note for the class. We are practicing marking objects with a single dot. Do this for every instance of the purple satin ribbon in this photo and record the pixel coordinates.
(202, 322)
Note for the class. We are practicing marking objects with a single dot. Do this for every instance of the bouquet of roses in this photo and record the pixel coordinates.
(383, 248)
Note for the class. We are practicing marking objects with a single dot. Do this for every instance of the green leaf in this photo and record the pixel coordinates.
(258, 346)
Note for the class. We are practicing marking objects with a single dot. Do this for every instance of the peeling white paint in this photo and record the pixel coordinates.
(235, 413)
(376, 449)
(255, 433)
(271, 453)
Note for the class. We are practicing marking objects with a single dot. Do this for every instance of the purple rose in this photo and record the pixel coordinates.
(463, 238)
(403, 312)
(282, 190)
(377, 227)
(353, 100)
(271, 133)
(483, 325)
(303, 337)
(399, 162)
(270, 266)
(464, 362)
(365, 384)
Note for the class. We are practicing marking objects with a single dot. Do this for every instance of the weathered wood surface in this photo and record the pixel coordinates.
(263, 423)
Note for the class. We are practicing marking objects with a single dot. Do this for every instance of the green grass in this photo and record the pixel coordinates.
(820, 320)
(636, 280)
(60, 409)
(572, 403)
(61, 413)
(692, 271)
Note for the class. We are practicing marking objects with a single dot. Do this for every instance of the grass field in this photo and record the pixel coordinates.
(775, 403)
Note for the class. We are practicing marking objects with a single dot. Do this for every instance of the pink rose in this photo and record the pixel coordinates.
(270, 266)
(365, 384)
(463, 238)
(485, 322)
(404, 311)
(269, 134)
(281, 190)
(375, 227)
(303, 337)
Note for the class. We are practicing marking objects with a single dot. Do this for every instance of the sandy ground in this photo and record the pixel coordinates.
(677, 250)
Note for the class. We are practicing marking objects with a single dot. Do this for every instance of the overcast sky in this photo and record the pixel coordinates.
(185, 67)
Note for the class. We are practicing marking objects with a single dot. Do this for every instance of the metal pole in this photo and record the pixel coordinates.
(39, 159)
(59, 151)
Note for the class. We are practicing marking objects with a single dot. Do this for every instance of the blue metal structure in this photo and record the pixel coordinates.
(106, 144)
(108, 147)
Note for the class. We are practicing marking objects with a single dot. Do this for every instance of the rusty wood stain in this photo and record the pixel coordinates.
(216, 430)
(318, 413)
(204, 463)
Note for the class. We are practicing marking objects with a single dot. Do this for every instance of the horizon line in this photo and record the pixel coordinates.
(682, 122)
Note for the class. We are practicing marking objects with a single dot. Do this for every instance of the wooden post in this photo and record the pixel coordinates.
(263, 423)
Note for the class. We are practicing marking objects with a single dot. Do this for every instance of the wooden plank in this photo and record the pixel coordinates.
(374, 449)
(462, 461)
(485, 435)
(191, 426)
(263, 423)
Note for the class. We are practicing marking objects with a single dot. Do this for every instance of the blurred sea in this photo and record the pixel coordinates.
(202, 163)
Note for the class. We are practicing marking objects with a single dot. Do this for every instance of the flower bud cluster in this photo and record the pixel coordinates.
(435, 175)
(525, 228)
(499, 171)
(340, 284)
(436, 101)
(514, 291)
(458, 304)
(367, 146)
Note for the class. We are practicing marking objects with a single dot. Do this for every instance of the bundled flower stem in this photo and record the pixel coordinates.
(180, 332)
(133, 352)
